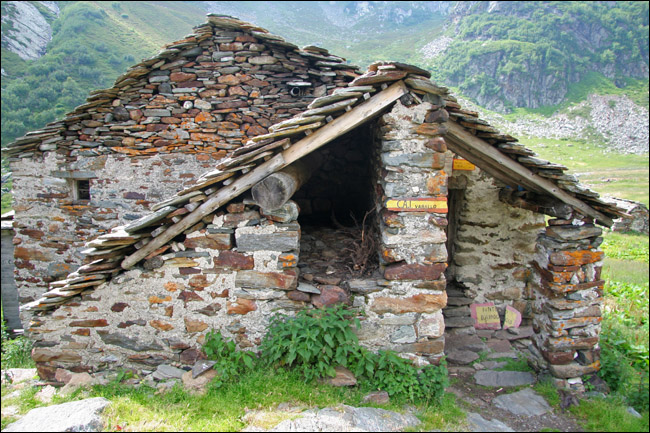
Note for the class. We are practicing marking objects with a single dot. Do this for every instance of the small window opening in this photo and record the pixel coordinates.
(297, 91)
(82, 189)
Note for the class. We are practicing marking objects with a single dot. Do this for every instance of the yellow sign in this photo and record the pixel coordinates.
(463, 164)
(512, 319)
(437, 205)
(485, 316)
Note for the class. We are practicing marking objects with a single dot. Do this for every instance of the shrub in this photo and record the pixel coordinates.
(16, 353)
(314, 341)
(230, 361)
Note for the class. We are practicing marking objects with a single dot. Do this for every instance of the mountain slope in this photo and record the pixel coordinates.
(527, 54)
(502, 55)
(92, 43)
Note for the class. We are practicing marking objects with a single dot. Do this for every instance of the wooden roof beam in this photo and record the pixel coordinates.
(482, 153)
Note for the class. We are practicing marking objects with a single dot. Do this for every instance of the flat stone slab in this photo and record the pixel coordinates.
(345, 418)
(522, 332)
(479, 424)
(82, 415)
(503, 378)
(462, 357)
(466, 342)
(525, 403)
(499, 345)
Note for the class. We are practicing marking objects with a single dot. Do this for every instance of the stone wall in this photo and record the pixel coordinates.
(166, 121)
(494, 245)
(230, 276)
(568, 299)
(404, 309)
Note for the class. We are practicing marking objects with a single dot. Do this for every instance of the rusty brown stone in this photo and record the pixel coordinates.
(181, 76)
(437, 184)
(91, 323)
(191, 356)
(437, 116)
(286, 280)
(192, 325)
(241, 306)
(234, 260)
(199, 282)
(83, 332)
(118, 307)
(437, 143)
(189, 296)
(296, 295)
(158, 300)
(575, 258)
(172, 286)
(329, 296)
(422, 303)
(215, 241)
(236, 207)
(557, 344)
(32, 233)
(415, 271)
(431, 129)
(559, 358)
(430, 347)
(160, 325)
(34, 254)
(43, 354)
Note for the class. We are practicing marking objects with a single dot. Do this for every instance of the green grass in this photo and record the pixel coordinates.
(609, 174)
(626, 246)
(609, 414)
(597, 415)
(222, 408)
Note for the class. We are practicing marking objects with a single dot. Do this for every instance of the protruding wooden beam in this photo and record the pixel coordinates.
(483, 154)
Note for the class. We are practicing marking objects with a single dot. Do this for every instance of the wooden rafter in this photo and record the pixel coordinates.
(482, 154)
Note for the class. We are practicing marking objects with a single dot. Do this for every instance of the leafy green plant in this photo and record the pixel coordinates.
(230, 361)
(16, 352)
(314, 341)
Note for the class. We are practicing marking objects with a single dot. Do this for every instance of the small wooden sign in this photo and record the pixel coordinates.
(512, 319)
(463, 164)
(437, 205)
(485, 316)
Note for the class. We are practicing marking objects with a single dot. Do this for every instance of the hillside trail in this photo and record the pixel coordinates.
(491, 381)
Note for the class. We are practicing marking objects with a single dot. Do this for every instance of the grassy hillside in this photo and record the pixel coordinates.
(608, 173)
(92, 43)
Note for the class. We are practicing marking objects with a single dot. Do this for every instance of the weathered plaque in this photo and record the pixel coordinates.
(437, 205)
(485, 316)
(463, 164)
(512, 319)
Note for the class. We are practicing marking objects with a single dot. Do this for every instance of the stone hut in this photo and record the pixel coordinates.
(235, 176)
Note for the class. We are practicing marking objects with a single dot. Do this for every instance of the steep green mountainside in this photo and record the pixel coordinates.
(506, 56)
(529, 54)
(92, 43)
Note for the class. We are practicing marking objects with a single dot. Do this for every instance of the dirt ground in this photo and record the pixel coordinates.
(477, 398)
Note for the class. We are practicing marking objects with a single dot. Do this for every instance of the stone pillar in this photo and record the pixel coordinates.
(568, 300)
(404, 310)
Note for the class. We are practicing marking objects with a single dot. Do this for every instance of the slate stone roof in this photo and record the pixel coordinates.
(109, 250)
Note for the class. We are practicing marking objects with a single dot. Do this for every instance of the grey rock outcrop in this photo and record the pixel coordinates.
(75, 416)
